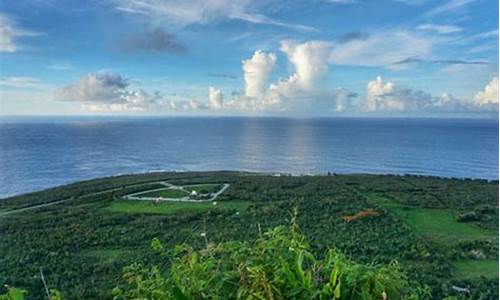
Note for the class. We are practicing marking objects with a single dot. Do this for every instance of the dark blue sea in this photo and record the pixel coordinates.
(42, 152)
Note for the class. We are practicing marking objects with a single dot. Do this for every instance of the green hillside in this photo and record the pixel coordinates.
(443, 233)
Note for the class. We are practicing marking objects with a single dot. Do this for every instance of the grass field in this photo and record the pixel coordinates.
(204, 188)
(148, 207)
(168, 193)
(439, 225)
(472, 269)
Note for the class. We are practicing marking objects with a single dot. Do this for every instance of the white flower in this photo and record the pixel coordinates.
(203, 234)
(214, 203)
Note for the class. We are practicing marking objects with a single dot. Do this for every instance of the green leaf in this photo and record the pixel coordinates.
(178, 294)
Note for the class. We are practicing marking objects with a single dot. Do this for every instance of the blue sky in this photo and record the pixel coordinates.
(221, 57)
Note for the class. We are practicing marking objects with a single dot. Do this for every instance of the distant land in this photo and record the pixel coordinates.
(442, 232)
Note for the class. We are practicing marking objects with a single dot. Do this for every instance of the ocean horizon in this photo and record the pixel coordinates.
(43, 152)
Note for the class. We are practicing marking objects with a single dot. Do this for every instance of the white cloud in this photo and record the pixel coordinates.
(343, 99)
(99, 87)
(189, 105)
(301, 89)
(21, 82)
(262, 19)
(187, 12)
(107, 92)
(487, 34)
(449, 103)
(9, 31)
(110, 92)
(310, 60)
(384, 96)
(489, 95)
(382, 49)
(441, 29)
(214, 98)
(256, 72)
(61, 66)
(449, 6)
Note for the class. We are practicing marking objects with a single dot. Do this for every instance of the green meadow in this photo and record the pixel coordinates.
(171, 207)
(167, 193)
(204, 188)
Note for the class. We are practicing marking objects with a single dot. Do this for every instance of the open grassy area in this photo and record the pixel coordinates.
(167, 193)
(168, 207)
(440, 225)
(472, 269)
(437, 224)
(204, 188)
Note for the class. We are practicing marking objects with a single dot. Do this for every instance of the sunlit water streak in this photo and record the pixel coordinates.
(42, 152)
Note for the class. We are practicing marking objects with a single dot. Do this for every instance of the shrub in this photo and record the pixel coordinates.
(278, 265)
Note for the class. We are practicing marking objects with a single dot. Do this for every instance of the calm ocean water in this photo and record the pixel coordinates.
(41, 152)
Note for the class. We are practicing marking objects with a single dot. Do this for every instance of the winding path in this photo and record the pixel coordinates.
(130, 197)
(134, 196)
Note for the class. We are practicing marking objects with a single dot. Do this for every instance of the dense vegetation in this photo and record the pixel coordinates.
(83, 244)
(278, 265)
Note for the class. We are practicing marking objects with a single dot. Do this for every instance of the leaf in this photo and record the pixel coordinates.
(16, 294)
(178, 294)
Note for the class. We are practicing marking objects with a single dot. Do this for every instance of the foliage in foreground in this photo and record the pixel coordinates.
(20, 294)
(278, 265)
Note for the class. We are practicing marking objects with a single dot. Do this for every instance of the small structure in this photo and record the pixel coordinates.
(193, 195)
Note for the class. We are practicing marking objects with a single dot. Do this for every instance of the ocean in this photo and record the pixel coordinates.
(42, 152)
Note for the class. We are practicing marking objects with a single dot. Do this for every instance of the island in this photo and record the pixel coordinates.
(86, 240)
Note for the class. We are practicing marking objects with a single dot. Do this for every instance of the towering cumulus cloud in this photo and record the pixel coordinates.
(256, 73)
(310, 61)
(488, 96)
(214, 98)
(380, 96)
(299, 90)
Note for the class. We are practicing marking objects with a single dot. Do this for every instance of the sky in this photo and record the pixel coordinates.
(242, 57)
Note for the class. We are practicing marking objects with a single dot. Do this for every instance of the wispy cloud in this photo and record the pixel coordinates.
(21, 82)
(187, 12)
(10, 31)
(262, 19)
(449, 6)
(222, 75)
(382, 48)
(63, 66)
(487, 34)
(412, 60)
(441, 29)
